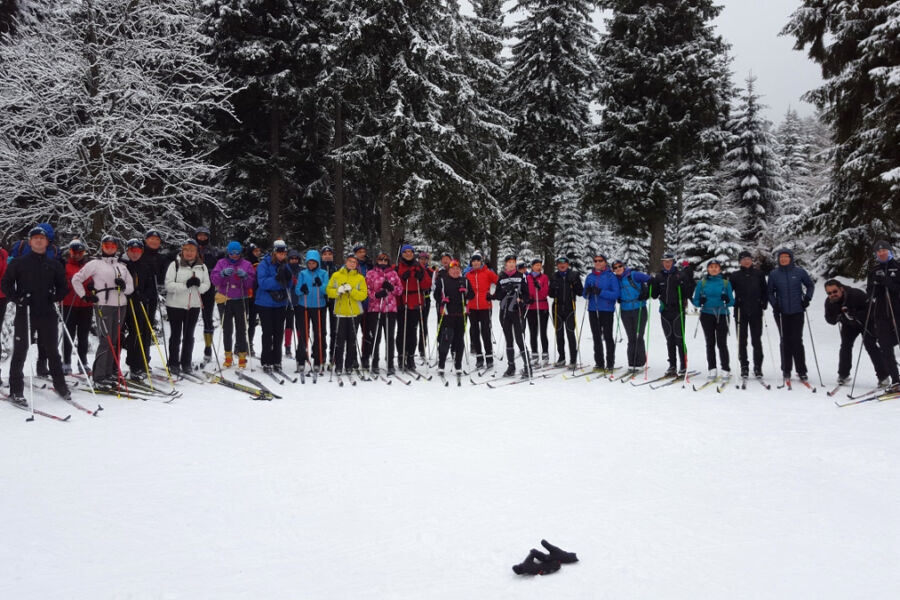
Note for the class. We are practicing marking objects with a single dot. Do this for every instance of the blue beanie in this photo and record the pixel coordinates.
(406, 247)
(233, 248)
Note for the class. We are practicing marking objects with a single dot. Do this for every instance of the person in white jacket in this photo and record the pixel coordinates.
(186, 280)
(111, 284)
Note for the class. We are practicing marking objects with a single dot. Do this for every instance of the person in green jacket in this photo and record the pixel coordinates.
(347, 287)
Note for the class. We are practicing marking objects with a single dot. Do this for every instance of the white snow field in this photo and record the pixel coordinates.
(426, 492)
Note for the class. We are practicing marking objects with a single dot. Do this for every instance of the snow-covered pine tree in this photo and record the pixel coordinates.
(709, 226)
(549, 90)
(797, 172)
(664, 93)
(754, 172)
(101, 119)
(634, 252)
(393, 72)
(856, 44)
(274, 150)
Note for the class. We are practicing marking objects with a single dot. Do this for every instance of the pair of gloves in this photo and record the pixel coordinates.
(304, 289)
(462, 292)
(229, 271)
(418, 272)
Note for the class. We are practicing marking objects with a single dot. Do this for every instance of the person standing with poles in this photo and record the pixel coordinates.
(112, 284)
(347, 287)
(713, 296)
(451, 296)
(790, 290)
(673, 288)
(311, 290)
(883, 290)
(273, 276)
(480, 279)
(135, 326)
(329, 267)
(77, 314)
(210, 255)
(512, 292)
(34, 282)
(186, 281)
(633, 293)
(384, 289)
(233, 278)
(539, 313)
(565, 287)
(601, 289)
(751, 298)
(424, 259)
(416, 280)
(849, 309)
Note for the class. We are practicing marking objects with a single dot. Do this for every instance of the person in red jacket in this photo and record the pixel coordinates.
(416, 280)
(77, 313)
(538, 314)
(481, 279)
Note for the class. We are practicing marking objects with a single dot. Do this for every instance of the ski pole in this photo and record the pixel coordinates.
(865, 332)
(812, 342)
(77, 355)
(580, 330)
(137, 330)
(156, 341)
(683, 336)
(645, 311)
(31, 382)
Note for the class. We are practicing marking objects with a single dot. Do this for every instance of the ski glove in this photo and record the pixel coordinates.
(702, 300)
(89, 297)
(345, 288)
(278, 295)
(537, 284)
(406, 274)
(463, 290)
(120, 283)
(724, 298)
(284, 275)
(805, 303)
(420, 274)
(445, 300)
(228, 271)
(488, 297)
(317, 282)
(304, 289)
(194, 281)
(387, 285)
(242, 274)
(381, 294)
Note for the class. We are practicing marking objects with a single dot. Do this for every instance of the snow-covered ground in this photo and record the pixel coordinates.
(415, 492)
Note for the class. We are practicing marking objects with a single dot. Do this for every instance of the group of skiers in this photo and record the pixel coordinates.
(311, 304)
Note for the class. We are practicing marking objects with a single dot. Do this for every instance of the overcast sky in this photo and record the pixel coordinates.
(752, 27)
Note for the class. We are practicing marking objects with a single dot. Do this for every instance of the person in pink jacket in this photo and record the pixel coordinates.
(112, 284)
(385, 288)
(539, 312)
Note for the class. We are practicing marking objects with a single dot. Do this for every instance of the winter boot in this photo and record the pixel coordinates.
(842, 379)
(545, 358)
(745, 371)
(479, 361)
(207, 350)
(64, 393)
(884, 382)
(526, 366)
(489, 361)
(561, 362)
(229, 360)
(804, 377)
(712, 374)
(67, 369)
(510, 363)
(670, 372)
(242, 360)
(42, 370)
(19, 400)
(757, 372)
(559, 554)
(287, 350)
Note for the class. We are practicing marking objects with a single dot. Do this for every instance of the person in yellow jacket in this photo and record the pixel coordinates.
(347, 287)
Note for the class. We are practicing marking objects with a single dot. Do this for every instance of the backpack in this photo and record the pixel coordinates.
(643, 289)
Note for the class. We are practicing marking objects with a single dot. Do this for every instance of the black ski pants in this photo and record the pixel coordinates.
(564, 325)
(345, 344)
(537, 327)
(887, 339)
(450, 336)
(793, 353)
(45, 330)
(715, 330)
(78, 323)
(380, 326)
(602, 330)
(407, 326)
(635, 323)
(672, 330)
(136, 332)
(849, 333)
(480, 332)
(316, 319)
(182, 323)
(234, 325)
(751, 327)
(271, 321)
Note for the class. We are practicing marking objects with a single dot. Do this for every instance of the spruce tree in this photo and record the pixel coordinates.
(855, 43)
(754, 171)
(664, 93)
(709, 228)
(549, 91)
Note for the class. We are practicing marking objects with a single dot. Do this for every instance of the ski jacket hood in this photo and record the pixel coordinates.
(314, 255)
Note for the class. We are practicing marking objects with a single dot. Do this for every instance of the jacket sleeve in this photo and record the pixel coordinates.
(172, 286)
(763, 292)
(437, 290)
(577, 286)
(216, 276)
(61, 286)
(204, 280)
(773, 292)
(470, 293)
(360, 291)
(695, 299)
(832, 312)
(588, 282)
(370, 285)
(331, 291)
(729, 293)
(611, 289)
(129, 280)
(392, 276)
(265, 276)
(78, 279)
(524, 292)
(808, 284)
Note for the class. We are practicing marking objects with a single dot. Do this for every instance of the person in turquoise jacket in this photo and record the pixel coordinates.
(314, 300)
(634, 289)
(601, 288)
(713, 295)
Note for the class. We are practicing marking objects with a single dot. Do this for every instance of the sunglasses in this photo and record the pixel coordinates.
(597, 261)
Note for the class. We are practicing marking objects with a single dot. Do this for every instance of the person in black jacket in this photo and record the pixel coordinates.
(883, 290)
(34, 283)
(135, 328)
(751, 298)
(673, 287)
(565, 287)
(512, 292)
(210, 255)
(451, 295)
(848, 308)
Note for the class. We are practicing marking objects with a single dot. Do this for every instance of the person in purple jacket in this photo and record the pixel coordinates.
(233, 277)
(601, 288)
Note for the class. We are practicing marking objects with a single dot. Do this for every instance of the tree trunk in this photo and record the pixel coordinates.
(657, 241)
(338, 235)
(275, 174)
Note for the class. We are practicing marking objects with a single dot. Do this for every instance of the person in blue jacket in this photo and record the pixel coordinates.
(790, 292)
(311, 292)
(601, 288)
(633, 294)
(713, 295)
(273, 275)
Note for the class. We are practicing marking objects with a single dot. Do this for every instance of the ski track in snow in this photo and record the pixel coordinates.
(430, 492)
